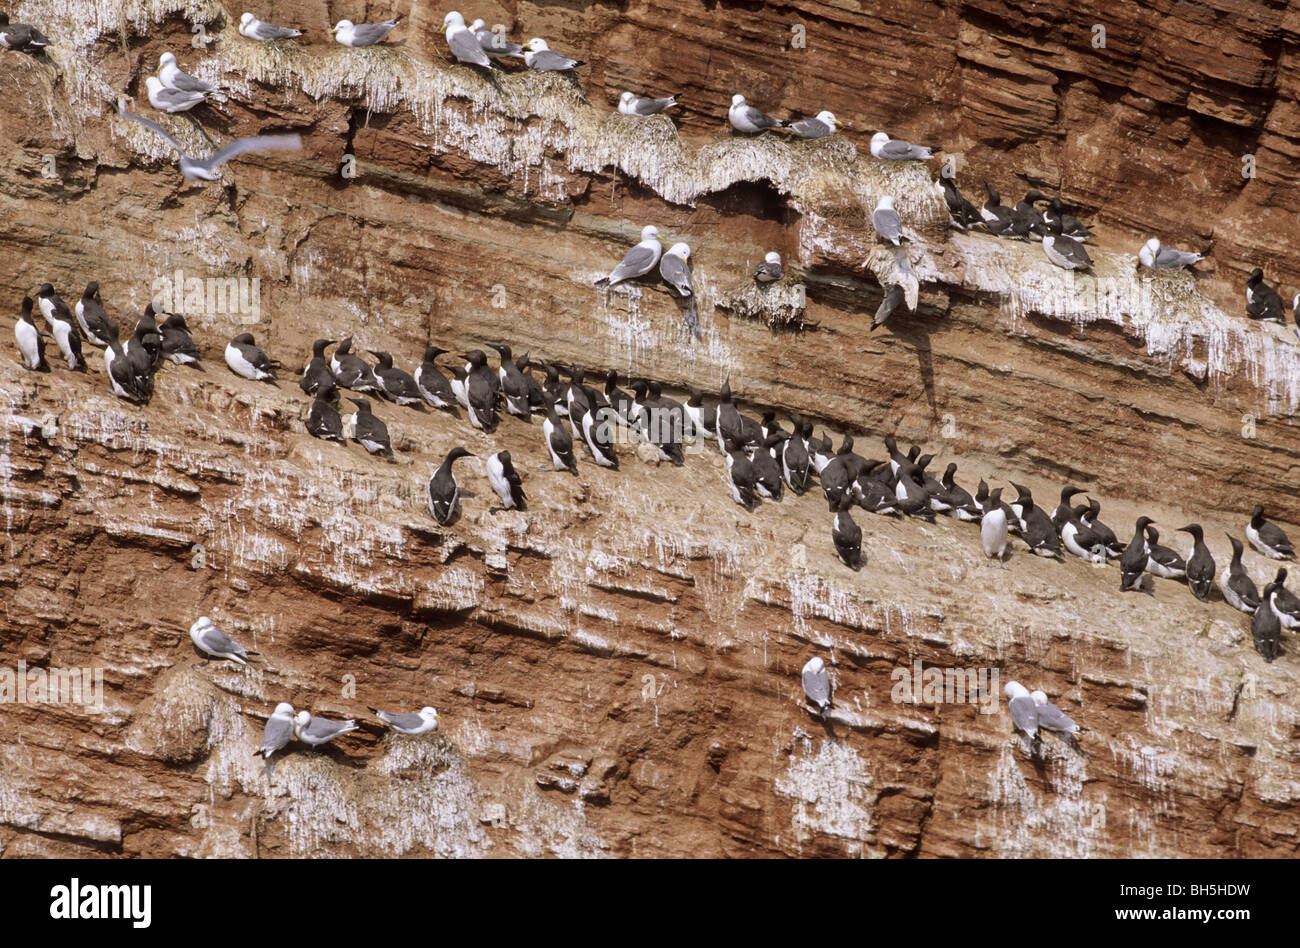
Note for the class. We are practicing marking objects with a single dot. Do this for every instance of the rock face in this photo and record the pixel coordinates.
(617, 667)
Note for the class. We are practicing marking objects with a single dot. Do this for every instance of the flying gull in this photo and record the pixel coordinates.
(823, 124)
(279, 729)
(208, 169)
(891, 149)
(212, 641)
(318, 731)
(365, 34)
(421, 722)
(255, 29)
(628, 104)
(638, 261)
(747, 119)
(1166, 258)
(540, 57)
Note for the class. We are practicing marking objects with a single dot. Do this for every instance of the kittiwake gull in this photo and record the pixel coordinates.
(420, 722)
(318, 731)
(817, 685)
(770, 270)
(749, 120)
(462, 42)
(279, 729)
(1023, 708)
(892, 149)
(541, 58)
(364, 34)
(886, 221)
(675, 269)
(173, 77)
(208, 169)
(823, 124)
(171, 101)
(1050, 717)
(212, 641)
(255, 29)
(628, 104)
(638, 261)
(1166, 258)
(494, 43)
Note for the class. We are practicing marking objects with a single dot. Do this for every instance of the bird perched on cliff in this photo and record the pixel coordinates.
(209, 169)
(95, 323)
(144, 349)
(962, 214)
(1078, 540)
(493, 43)
(1200, 565)
(317, 731)
(122, 376)
(541, 58)
(31, 341)
(1134, 561)
(749, 120)
(1268, 538)
(513, 383)
(255, 29)
(212, 641)
(847, 535)
(247, 361)
(168, 100)
(478, 386)
(820, 126)
(176, 344)
(463, 43)
(421, 722)
(1028, 219)
(1024, 712)
(993, 527)
(817, 685)
(740, 475)
(444, 492)
(676, 270)
(369, 431)
(770, 270)
(1156, 257)
(173, 77)
(364, 34)
(1262, 301)
(1161, 560)
(997, 217)
(505, 480)
(1071, 226)
(351, 372)
(398, 385)
(21, 37)
(317, 378)
(638, 261)
(885, 220)
(63, 327)
(324, 421)
(279, 730)
(1285, 604)
(433, 385)
(1050, 717)
(892, 149)
(1265, 628)
(559, 443)
(1066, 252)
(629, 104)
(1036, 527)
(1239, 590)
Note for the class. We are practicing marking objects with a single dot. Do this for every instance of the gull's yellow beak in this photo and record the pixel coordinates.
(443, 28)
(842, 124)
(333, 30)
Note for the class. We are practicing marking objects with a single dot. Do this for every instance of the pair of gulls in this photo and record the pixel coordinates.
(748, 120)
(673, 264)
(344, 31)
(476, 45)
(1031, 713)
(284, 726)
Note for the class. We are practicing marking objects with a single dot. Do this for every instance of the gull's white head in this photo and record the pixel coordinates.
(341, 25)
(886, 204)
(815, 664)
(153, 84)
(626, 97)
(537, 44)
(283, 709)
(774, 257)
(827, 117)
(680, 250)
(203, 623)
(246, 19)
(429, 714)
(879, 138)
(453, 18)
(477, 25)
(1015, 689)
(737, 99)
(1040, 698)
(1153, 245)
(166, 59)
(649, 232)
(300, 721)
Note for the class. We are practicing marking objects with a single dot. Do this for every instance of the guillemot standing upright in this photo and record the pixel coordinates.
(317, 379)
(63, 327)
(1161, 560)
(370, 432)
(558, 442)
(31, 341)
(444, 492)
(324, 422)
(1265, 628)
(847, 535)
(1285, 604)
(1134, 561)
(741, 475)
(1200, 565)
(1239, 590)
(93, 320)
(505, 480)
(433, 385)
(993, 527)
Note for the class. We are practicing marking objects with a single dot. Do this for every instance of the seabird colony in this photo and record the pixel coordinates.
(762, 458)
